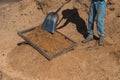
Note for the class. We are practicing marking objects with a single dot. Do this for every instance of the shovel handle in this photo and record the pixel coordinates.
(66, 1)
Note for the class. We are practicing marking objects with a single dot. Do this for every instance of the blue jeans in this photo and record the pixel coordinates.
(97, 8)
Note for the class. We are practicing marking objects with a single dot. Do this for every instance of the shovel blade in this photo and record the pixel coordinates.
(50, 22)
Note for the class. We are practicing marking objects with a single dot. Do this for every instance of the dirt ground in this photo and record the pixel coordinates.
(86, 62)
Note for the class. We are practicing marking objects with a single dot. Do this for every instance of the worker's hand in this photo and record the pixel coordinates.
(67, 1)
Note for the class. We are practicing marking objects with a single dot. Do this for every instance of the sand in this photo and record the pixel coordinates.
(86, 62)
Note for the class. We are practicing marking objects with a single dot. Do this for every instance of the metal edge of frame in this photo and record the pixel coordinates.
(33, 45)
(66, 49)
(63, 51)
(20, 33)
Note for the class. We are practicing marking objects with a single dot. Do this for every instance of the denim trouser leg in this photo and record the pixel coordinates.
(101, 10)
(91, 19)
(97, 8)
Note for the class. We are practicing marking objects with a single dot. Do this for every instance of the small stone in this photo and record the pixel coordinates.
(3, 54)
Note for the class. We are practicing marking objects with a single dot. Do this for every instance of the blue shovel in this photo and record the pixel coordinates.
(50, 21)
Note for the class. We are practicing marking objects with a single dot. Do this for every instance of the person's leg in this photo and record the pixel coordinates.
(101, 10)
(101, 14)
(92, 14)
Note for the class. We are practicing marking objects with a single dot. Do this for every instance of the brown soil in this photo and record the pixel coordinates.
(86, 62)
(50, 43)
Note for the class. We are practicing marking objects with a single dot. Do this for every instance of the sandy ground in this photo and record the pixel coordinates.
(86, 62)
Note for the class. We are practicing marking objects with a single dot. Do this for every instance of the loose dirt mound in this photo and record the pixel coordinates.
(87, 62)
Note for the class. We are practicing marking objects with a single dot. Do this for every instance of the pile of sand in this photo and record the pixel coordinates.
(86, 62)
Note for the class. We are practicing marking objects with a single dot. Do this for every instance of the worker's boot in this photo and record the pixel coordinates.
(88, 38)
(101, 41)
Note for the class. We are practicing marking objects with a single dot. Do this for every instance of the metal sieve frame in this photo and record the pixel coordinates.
(49, 57)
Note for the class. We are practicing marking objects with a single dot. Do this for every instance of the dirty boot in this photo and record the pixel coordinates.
(101, 41)
(88, 38)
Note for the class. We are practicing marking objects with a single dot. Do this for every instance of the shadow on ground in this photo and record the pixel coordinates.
(7, 1)
(72, 15)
